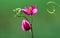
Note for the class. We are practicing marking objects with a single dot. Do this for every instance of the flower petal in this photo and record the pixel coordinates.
(26, 25)
(26, 11)
(34, 11)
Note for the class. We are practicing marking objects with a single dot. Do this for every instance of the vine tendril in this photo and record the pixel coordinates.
(53, 10)
(17, 11)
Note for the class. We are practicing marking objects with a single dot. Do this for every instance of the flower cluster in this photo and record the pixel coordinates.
(32, 10)
(26, 25)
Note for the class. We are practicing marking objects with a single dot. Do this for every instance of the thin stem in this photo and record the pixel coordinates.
(32, 33)
(23, 16)
(32, 27)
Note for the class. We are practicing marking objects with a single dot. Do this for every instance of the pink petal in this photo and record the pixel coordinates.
(34, 11)
(32, 7)
(26, 25)
(26, 11)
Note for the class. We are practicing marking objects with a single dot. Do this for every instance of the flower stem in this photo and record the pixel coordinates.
(24, 17)
(31, 27)
(32, 32)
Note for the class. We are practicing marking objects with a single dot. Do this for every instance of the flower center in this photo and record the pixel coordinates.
(30, 9)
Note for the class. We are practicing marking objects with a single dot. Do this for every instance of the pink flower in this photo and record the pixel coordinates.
(32, 10)
(26, 26)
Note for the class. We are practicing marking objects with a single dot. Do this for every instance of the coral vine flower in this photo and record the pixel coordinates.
(32, 10)
(26, 26)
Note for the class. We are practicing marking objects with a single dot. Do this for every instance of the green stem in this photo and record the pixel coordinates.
(32, 27)
(32, 33)
(24, 17)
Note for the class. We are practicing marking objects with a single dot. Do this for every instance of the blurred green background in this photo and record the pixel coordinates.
(45, 25)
